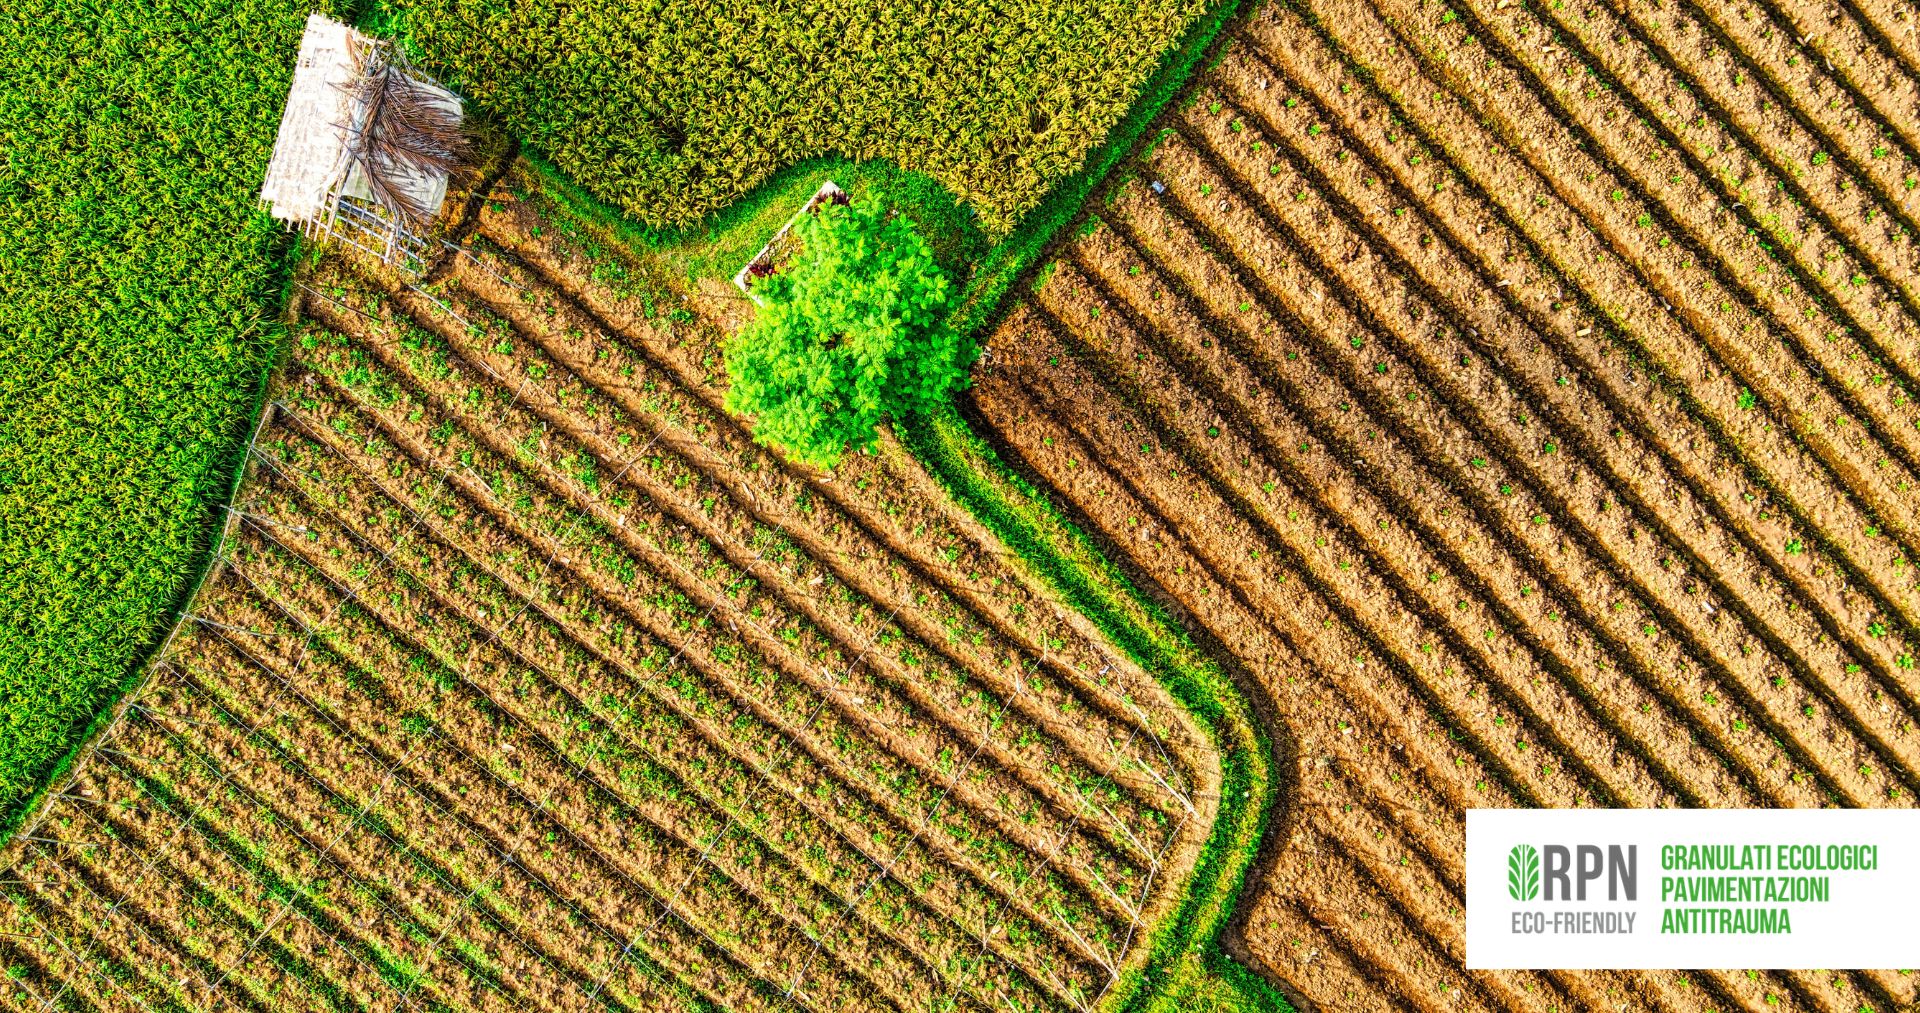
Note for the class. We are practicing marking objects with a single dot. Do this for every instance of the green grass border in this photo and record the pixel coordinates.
(1061, 557)
(1188, 964)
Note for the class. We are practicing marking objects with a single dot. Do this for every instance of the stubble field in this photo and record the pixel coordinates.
(1522, 395)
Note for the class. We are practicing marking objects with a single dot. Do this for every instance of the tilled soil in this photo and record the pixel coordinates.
(1534, 427)
(527, 681)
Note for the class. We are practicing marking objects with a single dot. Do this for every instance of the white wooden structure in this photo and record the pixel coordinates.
(365, 146)
(778, 249)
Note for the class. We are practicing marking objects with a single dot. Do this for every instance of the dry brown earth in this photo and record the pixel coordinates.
(1522, 394)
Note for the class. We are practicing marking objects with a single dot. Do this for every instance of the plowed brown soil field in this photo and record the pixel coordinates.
(526, 681)
(1522, 394)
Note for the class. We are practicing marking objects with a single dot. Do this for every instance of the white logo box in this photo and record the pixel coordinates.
(1767, 889)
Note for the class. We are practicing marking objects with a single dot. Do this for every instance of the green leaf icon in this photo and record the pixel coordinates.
(1523, 872)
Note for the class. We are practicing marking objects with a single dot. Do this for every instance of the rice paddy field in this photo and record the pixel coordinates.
(139, 300)
(677, 110)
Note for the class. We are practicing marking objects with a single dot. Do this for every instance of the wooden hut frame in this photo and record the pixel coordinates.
(775, 254)
(366, 147)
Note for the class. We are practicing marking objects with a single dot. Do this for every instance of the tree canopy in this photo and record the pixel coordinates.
(851, 332)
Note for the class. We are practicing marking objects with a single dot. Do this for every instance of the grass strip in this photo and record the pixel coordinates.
(1187, 967)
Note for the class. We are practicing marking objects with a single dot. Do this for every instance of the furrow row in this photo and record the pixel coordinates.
(584, 660)
(374, 735)
(1651, 452)
(886, 678)
(1664, 421)
(855, 684)
(554, 777)
(1793, 356)
(1626, 567)
(937, 582)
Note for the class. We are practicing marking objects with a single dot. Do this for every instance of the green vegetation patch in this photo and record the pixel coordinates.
(138, 293)
(674, 110)
(1187, 969)
(850, 331)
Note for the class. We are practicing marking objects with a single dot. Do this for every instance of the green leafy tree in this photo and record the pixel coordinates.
(853, 331)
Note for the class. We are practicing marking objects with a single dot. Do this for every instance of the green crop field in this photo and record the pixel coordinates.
(138, 290)
(995, 101)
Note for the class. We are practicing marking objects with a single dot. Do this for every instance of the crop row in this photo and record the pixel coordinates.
(766, 619)
(1522, 477)
(1708, 267)
(749, 730)
(563, 602)
(942, 587)
(1610, 288)
(940, 580)
(1750, 508)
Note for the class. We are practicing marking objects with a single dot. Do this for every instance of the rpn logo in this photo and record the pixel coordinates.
(1523, 872)
(1568, 870)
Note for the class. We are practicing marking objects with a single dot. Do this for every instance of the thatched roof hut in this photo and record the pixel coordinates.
(366, 146)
